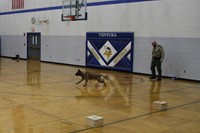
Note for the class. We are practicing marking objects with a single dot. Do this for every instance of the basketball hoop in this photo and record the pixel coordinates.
(69, 18)
(74, 10)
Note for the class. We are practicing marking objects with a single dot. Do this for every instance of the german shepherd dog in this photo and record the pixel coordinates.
(89, 76)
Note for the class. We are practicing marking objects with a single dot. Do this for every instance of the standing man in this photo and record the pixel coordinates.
(158, 54)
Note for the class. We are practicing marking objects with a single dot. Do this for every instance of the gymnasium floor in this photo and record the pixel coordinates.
(38, 97)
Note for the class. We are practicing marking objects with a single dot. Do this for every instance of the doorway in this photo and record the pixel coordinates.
(33, 46)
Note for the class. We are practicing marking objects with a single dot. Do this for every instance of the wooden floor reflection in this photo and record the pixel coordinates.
(38, 97)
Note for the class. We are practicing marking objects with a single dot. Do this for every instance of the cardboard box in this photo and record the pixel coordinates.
(94, 121)
(160, 105)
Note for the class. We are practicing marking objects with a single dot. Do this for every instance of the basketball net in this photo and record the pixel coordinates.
(68, 20)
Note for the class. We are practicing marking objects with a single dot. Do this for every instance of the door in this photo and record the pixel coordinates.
(33, 45)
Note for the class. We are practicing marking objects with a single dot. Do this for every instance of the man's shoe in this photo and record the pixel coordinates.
(152, 77)
(158, 79)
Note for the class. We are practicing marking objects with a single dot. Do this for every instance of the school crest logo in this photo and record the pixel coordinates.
(107, 51)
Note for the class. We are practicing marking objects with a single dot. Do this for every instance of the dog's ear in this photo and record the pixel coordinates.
(79, 70)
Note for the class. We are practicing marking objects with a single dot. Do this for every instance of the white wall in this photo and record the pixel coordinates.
(13, 45)
(173, 23)
(61, 48)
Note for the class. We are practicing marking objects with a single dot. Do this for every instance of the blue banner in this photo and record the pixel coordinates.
(110, 50)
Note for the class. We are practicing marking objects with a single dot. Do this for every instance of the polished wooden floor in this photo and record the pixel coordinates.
(38, 97)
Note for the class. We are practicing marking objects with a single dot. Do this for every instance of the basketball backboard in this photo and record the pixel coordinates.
(73, 10)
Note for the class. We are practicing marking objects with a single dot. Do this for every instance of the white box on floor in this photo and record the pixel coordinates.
(160, 105)
(94, 121)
